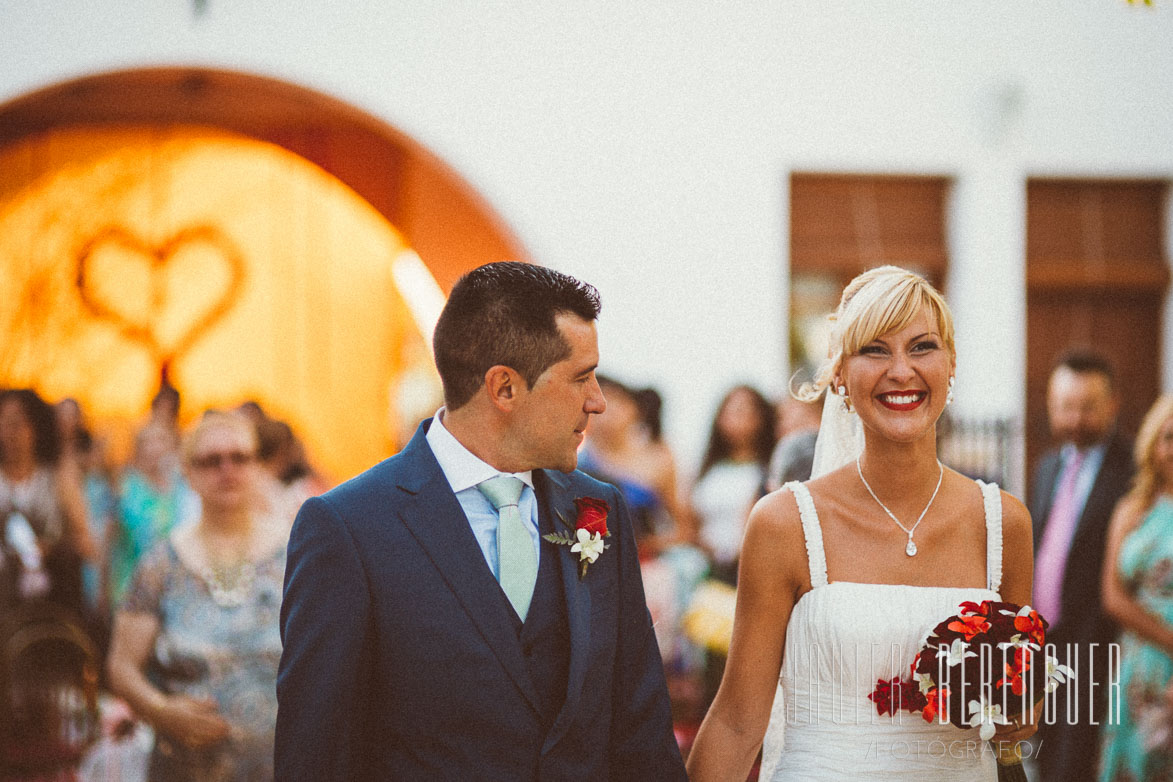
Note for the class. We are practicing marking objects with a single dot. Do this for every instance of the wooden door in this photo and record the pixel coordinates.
(1096, 278)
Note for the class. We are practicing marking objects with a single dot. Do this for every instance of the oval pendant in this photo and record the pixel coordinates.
(910, 549)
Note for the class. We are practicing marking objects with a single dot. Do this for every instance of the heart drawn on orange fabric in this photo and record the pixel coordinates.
(167, 295)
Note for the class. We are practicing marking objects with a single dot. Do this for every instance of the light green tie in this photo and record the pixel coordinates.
(517, 560)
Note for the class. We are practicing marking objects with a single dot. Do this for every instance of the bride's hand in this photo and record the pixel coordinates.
(1020, 728)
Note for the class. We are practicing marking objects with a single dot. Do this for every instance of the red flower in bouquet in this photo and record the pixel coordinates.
(936, 701)
(1028, 621)
(882, 696)
(1014, 671)
(970, 607)
(969, 626)
(896, 695)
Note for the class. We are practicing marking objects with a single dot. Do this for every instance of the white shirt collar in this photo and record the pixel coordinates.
(462, 467)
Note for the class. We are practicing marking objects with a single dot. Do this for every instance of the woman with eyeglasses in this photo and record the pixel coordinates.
(196, 644)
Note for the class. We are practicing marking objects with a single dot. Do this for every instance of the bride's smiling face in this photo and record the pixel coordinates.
(899, 381)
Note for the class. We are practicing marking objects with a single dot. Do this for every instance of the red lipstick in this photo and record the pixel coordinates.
(902, 401)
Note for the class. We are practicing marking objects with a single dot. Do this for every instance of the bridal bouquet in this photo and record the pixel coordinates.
(982, 667)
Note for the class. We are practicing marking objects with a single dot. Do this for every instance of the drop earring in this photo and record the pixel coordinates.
(949, 395)
(841, 390)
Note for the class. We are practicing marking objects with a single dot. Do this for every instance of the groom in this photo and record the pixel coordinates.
(430, 630)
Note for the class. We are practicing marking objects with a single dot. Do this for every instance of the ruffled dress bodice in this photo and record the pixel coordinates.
(842, 637)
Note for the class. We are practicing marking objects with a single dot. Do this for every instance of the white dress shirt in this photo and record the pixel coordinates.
(464, 471)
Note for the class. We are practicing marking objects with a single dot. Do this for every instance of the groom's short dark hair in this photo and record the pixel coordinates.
(504, 313)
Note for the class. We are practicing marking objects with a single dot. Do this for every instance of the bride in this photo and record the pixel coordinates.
(842, 577)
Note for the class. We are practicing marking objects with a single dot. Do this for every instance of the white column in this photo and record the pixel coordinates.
(987, 292)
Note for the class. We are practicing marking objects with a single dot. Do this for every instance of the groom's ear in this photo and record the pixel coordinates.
(504, 385)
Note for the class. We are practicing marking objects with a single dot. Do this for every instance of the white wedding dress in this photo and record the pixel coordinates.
(841, 638)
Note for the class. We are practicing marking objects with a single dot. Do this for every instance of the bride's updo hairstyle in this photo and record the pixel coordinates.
(878, 301)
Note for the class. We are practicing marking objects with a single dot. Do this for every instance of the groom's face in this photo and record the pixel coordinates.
(549, 422)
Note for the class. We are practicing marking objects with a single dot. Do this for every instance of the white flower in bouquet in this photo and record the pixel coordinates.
(987, 715)
(957, 653)
(1057, 674)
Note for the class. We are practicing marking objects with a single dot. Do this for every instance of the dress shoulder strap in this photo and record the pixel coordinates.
(992, 501)
(815, 556)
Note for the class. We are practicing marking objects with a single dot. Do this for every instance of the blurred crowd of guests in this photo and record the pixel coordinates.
(164, 574)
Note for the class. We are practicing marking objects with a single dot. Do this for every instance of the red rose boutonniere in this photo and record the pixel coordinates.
(585, 536)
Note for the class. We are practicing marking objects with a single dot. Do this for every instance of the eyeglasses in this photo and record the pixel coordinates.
(213, 461)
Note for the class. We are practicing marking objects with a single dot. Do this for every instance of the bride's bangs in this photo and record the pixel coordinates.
(880, 310)
(891, 310)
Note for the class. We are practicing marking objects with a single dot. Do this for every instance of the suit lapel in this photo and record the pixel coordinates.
(555, 498)
(433, 516)
(1102, 496)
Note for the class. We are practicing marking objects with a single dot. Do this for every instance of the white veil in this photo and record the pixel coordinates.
(839, 442)
(840, 437)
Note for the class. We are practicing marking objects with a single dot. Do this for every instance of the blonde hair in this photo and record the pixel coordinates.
(1146, 483)
(876, 302)
(218, 419)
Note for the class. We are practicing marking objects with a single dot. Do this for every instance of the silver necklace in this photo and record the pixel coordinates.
(910, 549)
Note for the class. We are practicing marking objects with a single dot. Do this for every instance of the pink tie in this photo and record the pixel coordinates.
(1051, 561)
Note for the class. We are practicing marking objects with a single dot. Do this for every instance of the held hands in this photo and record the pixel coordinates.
(194, 722)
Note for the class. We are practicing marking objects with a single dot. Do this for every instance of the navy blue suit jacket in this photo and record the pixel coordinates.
(401, 660)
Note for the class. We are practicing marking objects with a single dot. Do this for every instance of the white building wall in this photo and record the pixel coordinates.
(646, 146)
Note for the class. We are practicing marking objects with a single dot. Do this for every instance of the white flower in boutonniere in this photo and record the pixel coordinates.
(590, 527)
(589, 546)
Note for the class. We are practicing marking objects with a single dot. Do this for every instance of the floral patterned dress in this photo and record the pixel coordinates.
(218, 644)
(1139, 745)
